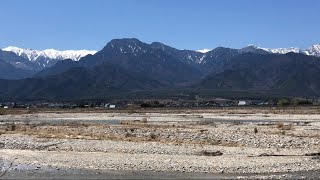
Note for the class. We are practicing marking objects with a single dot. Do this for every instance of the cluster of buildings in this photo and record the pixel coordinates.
(177, 103)
(56, 105)
(159, 103)
(207, 103)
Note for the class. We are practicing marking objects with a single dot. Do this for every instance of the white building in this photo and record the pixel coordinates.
(242, 103)
(112, 106)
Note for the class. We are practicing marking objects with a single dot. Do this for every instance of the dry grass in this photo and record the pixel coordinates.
(210, 153)
(152, 136)
(226, 110)
(3, 112)
(279, 125)
(119, 133)
(282, 126)
(144, 120)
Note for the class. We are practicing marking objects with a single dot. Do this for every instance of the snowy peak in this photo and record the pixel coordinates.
(282, 50)
(203, 50)
(253, 49)
(126, 46)
(35, 55)
(314, 50)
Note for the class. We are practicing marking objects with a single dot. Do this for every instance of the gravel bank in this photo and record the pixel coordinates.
(253, 143)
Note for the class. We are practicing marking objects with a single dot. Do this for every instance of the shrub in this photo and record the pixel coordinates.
(2, 112)
(131, 110)
(287, 127)
(283, 102)
(255, 130)
(146, 105)
(127, 135)
(279, 125)
(210, 153)
(11, 127)
(152, 136)
(144, 120)
(284, 127)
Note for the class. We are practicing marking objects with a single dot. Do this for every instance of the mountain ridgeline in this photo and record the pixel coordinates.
(129, 66)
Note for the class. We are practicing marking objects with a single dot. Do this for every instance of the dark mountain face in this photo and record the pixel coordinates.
(13, 66)
(214, 61)
(253, 49)
(290, 74)
(43, 62)
(58, 68)
(130, 65)
(192, 58)
(159, 61)
(8, 71)
(19, 62)
(78, 83)
(136, 57)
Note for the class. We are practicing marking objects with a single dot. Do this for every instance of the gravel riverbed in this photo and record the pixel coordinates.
(221, 144)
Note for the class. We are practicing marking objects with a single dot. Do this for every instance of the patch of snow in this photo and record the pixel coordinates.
(204, 50)
(202, 58)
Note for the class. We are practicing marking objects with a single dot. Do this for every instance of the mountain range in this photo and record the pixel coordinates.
(129, 65)
(29, 61)
(314, 50)
(35, 60)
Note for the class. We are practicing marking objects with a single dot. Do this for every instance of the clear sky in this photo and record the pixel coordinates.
(184, 24)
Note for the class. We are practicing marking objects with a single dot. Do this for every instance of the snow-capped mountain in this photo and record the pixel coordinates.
(282, 50)
(34, 55)
(312, 51)
(35, 60)
(260, 50)
(206, 60)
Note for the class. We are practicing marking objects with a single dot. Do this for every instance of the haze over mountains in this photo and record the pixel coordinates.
(129, 65)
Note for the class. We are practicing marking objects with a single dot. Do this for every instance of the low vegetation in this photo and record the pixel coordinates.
(2, 112)
(210, 153)
(144, 120)
(282, 126)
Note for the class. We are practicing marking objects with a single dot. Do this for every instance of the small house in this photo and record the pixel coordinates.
(242, 103)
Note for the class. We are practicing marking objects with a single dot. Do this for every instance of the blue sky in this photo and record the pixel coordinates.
(184, 24)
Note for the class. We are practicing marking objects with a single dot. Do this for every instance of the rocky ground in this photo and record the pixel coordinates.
(172, 145)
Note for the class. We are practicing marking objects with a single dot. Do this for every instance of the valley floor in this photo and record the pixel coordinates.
(190, 144)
